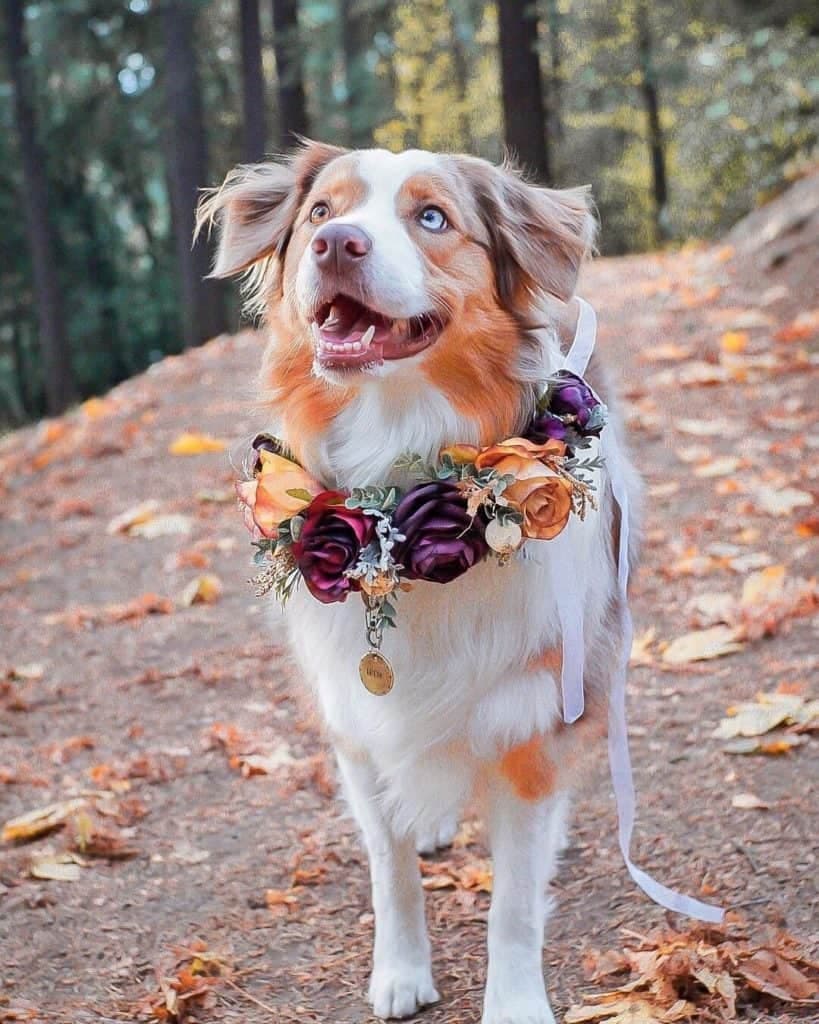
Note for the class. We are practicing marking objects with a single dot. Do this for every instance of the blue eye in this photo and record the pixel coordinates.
(433, 219)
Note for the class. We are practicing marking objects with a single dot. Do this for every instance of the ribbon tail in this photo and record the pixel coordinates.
(619, 757)
(570, 614)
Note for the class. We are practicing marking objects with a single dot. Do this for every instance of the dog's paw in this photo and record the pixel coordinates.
(518, 1010)
(438, 838)
(400, 991)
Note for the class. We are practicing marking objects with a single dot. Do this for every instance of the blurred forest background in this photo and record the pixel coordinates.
(682, 116)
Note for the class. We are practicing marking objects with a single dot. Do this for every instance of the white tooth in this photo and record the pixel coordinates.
(367, 336)
(348, 346)
(357, 346)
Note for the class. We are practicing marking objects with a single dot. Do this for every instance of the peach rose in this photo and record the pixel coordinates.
(518, 457)
(545, 500)
(281, 489)
(546, 503)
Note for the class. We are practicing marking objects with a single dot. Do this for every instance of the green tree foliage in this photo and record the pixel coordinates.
(736, 82)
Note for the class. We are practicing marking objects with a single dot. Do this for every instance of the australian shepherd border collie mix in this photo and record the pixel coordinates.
(466, 273)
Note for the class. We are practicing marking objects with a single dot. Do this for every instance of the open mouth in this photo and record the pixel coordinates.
(348, 335)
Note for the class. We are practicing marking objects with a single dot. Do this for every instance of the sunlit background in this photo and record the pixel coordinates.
(682, 116)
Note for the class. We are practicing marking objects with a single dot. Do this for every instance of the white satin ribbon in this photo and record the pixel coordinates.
(571, 624)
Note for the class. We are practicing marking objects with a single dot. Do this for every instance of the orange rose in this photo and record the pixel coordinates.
(281, 489)
(461, 454)
(518, 457)
(545, 500)
(546, 503)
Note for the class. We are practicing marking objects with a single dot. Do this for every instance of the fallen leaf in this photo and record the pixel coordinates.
(748, 802)
(734, 341)
(781, 501)
(722, 466)
(710, 427)
(192, 443)
(57, 867)
(665, 352)
(711, 608)
(769, 973)
(702, 645)
(641, 647)
(802, 328)
(28, 673)
(763, 585)
(281, 898)
(162, 526)
(90, 839)
(756, 745)
(41, 821)
(134, 516)
(204, 589)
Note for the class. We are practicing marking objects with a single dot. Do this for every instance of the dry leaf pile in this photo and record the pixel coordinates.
(747, 725)
(704, 974)
(767, 601)
(186, 984)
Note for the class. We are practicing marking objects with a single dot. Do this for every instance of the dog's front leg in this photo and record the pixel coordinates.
(401, 980)
(525, 837)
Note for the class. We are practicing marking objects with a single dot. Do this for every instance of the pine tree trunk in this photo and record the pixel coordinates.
(524, 109)
(254, 138)
(203, 314)
(292, 104)
(656, 140)
(460, 64)
(57, 370)
(556, 75)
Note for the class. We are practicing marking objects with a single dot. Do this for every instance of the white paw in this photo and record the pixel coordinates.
(518, 1010)
(400, 991)
(438, 838)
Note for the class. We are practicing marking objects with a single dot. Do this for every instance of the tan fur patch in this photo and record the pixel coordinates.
(550, 660)
(527, 767)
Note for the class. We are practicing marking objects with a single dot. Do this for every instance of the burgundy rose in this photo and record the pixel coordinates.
(329, 544)
(442, 539)
(570, 395)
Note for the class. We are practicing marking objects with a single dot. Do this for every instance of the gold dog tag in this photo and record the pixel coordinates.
(376, 673)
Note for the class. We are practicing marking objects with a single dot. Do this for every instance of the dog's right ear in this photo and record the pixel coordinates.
(256, 206)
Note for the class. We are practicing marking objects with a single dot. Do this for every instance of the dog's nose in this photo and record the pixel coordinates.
(340, 245)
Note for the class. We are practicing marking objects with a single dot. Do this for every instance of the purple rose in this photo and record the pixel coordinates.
(570, 395)
(546, 427)
(442, 539)
(329, 544)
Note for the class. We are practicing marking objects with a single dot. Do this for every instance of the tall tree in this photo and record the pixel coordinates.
(203, 314)
(292, 104)
(56, 356)
(524, 109)
(254, 139)
(555, 103)
(651, 101)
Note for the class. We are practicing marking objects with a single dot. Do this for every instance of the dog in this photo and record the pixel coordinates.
(415, 300)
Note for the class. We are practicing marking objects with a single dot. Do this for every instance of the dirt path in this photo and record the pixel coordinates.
(163, 720)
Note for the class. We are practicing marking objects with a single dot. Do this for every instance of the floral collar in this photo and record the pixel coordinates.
(470, 504)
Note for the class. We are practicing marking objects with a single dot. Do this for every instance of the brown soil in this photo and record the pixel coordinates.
(146, 692)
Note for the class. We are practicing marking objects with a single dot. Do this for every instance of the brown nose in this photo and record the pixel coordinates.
(339, 246)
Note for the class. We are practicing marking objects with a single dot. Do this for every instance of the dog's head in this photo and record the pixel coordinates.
(382, 264)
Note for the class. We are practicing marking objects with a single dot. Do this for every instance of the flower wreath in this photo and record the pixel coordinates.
(470, 504)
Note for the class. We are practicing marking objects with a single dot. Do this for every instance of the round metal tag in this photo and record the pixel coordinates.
(376, 673)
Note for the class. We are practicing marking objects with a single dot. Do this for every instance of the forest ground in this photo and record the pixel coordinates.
(181, 727)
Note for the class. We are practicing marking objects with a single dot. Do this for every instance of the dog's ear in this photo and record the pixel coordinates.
(538, 236)
(256, 206)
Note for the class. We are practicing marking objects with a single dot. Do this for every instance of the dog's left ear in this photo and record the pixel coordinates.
(256, 206)
(539, 236)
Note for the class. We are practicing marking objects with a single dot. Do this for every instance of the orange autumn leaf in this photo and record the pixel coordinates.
(734, 341)
(193, 443)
